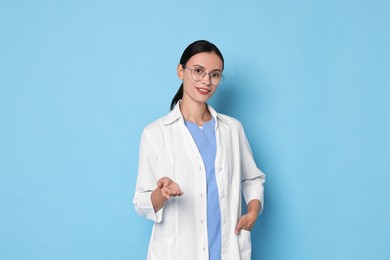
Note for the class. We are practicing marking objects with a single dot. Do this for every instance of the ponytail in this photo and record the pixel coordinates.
(177, 97)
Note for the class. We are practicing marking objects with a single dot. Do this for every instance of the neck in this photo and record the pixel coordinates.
(195, 112)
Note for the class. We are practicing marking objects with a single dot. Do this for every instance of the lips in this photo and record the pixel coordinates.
(203, 91)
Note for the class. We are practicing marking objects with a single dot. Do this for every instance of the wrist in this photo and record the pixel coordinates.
(254, 207)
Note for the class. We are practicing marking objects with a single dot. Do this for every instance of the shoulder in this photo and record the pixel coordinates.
(225, 120)
(159, 125)
(229, 121)
(154, 126)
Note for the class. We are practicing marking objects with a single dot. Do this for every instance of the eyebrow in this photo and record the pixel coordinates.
(196, 65)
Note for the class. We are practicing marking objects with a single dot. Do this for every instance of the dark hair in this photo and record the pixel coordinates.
(193, 49)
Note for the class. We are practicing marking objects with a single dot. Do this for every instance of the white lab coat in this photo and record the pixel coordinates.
(180, 227)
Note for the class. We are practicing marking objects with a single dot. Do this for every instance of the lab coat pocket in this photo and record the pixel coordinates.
(244, 242)
(162, 249)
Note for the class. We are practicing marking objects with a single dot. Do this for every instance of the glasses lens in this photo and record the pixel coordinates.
(215, 77)
(197, 73)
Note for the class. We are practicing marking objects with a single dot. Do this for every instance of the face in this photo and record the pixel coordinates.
(200, 90)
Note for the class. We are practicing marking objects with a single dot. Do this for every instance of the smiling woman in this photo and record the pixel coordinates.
(194, 165)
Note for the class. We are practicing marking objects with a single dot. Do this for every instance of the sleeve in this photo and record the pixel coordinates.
(147, 179)
(252, 178)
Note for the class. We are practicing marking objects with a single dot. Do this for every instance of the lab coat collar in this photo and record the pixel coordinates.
(175, 115)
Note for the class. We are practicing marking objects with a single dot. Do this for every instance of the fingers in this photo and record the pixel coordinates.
(169, 188)
(246, 222)
(240, 225)
(165, 194)
(168, 193)
(164, 181)
(173, 191)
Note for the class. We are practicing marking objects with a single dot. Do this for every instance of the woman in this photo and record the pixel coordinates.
(194, 164)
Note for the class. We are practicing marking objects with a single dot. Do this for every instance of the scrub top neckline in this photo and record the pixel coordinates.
(200, 126)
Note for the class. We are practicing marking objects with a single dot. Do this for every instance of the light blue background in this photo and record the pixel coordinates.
(79, 80)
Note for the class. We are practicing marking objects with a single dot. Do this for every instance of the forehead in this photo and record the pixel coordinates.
(208, 60)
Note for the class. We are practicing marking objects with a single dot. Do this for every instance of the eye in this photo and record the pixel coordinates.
(198, 71)
(216, 75)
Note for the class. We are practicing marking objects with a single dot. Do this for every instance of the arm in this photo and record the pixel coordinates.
(147, 178)
(252, 183)
(151, 194)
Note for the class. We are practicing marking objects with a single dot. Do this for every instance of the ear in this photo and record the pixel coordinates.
(180, 71)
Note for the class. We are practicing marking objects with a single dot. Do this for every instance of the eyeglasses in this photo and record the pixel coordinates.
(198, 73)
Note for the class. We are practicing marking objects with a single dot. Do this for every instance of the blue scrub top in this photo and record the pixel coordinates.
(204, 138)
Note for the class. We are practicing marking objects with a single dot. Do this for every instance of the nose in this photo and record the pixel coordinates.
(207, 79)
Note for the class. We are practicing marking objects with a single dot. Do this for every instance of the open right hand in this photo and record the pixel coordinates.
(169, 188)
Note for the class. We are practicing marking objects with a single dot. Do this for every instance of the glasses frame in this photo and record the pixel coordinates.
(204, 74)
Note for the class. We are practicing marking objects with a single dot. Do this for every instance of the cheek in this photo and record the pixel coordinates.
(188, 87)
(189, 83)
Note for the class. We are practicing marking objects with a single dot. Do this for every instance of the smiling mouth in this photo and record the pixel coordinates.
(203, 91)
